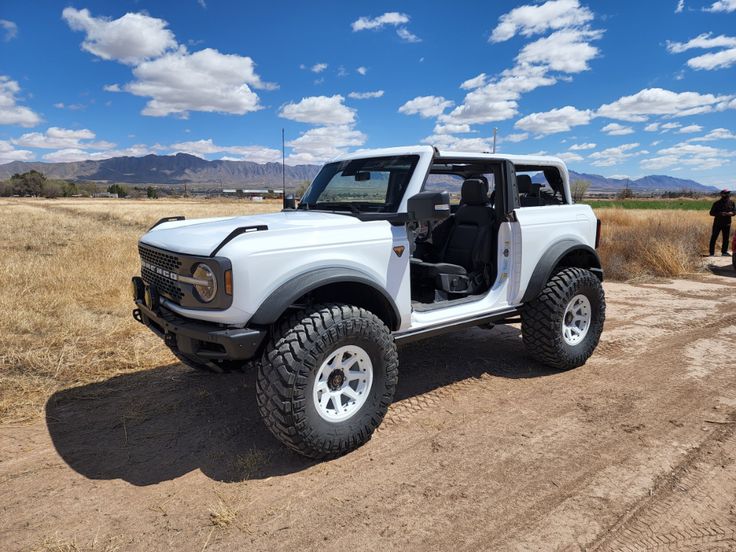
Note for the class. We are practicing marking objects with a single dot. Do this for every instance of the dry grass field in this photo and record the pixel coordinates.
(67, 265)
(66, 268)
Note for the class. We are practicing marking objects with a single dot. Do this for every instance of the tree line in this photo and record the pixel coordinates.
(35, 184)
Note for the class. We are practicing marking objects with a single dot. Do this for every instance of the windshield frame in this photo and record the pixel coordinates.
(311, 198)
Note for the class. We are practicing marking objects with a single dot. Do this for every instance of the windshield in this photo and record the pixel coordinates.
(374, 185)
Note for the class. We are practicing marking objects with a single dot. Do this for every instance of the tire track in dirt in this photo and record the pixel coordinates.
(689, 509)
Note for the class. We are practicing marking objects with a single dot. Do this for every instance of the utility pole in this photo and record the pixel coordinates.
(495, 130)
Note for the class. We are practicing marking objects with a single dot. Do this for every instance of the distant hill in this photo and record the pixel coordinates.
(649, 184)
(183, 168)
(170, 170)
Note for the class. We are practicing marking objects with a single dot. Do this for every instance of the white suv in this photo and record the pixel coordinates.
(386, 247)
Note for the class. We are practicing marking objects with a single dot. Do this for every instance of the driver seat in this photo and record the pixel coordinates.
(458, 261)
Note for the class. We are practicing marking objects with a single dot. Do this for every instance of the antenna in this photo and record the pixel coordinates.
(495, 130)
(283, 165)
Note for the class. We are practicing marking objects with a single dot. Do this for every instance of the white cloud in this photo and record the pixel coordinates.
(175, 80)
(615, 129)
(388, 18)
(569, 156)
(614, 156)
(715, 134)
(60, 138)
(704, 41)
(529, 20)
(9, 28)
(112, 88)
(685, 154)
(362, 70)
(453, 143)
(426, 106)
(130, 39)
(318, 67)
(407, 36)
(657, 101)
(365, 95)
(320, 144)
(451, 128)
(716, 60)
(690, 128)
(680, 6)
(320, 110)
(9, 154)
(583, 146)
(257, 154)
(568, 50)
(77, 154)
(206, 80)
(722, 6)
(518, 137)
(556, 120)
(666, 127)
(652, 127)
(475, 82)
(10, 112)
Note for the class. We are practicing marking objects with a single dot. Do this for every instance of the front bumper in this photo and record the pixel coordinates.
(204, 341)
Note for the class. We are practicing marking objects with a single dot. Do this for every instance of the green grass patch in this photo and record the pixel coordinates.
(678, 204)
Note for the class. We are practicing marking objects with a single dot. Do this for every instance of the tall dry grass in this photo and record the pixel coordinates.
(650, 243)
(65, 268)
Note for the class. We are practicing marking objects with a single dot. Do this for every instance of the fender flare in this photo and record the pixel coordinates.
(287, 293)
(551, 258)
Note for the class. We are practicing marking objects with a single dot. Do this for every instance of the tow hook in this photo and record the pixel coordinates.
(170, 340)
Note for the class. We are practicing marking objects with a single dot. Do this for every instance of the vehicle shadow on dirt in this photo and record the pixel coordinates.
(156, 425)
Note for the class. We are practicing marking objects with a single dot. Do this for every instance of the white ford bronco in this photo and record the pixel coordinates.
(386, 247)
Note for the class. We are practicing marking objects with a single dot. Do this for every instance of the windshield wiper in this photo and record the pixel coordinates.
(335, 205)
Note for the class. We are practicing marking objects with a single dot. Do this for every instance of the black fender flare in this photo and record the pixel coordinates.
(289, 292)
(551, 258)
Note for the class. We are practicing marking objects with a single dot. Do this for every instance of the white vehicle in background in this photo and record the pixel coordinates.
(377, 253)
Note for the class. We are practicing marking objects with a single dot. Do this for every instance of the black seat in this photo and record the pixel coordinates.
(529, 192)
(459, 259)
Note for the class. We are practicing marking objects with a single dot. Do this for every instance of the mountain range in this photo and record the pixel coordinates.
(196, 172)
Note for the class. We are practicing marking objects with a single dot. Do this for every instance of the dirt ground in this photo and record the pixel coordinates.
(483, 450)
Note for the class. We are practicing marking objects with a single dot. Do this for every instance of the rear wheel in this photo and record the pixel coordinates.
(562, 326)
(326, 379)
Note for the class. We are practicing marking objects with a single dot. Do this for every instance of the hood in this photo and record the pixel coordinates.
(201, 236)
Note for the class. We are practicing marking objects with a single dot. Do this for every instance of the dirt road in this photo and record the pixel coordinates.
(483, 450)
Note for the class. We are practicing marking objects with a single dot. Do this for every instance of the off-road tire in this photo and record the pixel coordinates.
(542, 319)
(298, 347)
(223, 367)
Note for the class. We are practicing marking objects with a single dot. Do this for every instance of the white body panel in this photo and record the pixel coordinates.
(300, 241)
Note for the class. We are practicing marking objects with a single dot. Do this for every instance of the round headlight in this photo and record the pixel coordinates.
(208, 288)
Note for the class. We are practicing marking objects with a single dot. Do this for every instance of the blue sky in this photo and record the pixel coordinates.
(615, 88)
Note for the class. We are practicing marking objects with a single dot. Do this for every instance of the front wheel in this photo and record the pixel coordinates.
(562, 326)
(326, 379)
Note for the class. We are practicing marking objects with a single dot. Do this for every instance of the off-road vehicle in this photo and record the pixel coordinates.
(386, 247)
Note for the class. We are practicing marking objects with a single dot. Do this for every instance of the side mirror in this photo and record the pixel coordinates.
(429, 206)
(289, 201)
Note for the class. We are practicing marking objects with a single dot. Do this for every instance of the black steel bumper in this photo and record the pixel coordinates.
(202, 340)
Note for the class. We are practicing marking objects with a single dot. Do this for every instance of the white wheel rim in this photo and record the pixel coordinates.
(576, 320)
(343, 383)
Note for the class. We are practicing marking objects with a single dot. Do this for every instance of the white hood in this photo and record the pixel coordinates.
(202, 236)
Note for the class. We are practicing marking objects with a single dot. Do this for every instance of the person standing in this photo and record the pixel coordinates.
(722, 211)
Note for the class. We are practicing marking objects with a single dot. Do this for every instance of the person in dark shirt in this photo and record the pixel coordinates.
(722, 211)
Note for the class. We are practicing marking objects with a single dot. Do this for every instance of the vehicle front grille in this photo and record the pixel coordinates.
(168, 263)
